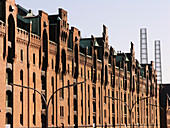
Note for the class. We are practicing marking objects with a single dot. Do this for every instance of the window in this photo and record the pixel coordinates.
(68, 83)
(81, 87)
(99, 77)
(81, 119)
(106, 75)
(88, 119)
(75, 104)
(9, 99)
(113, 108)
(75, 121)
(34, 97)
(105, 94)
(34, 119)
(21, 55)
(21, 96)
(52, 81)
(111, 79)
(9, 118)
(34, 80)
(52, 119)
(21, 119)
(89, 96)
(113, 103)
(69, 120)
(62, 90)
(99, 97)
(75, 89)
(113, 121)
(21, 76)
(43, 82)
(117, 108)
(81, 72)
(62, 111)
(94, 92)
(63, 60)
(109, 99)
(94, 107)
(68, 68)
(105, 113)
(43, 103)
(33, 58)
(52, 64)
(81, 103)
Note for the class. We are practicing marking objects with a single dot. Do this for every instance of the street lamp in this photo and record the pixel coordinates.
(47, 103)
(128, 106)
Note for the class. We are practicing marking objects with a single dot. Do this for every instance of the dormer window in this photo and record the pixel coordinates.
(106, 54)
(11, 8)
(45, 24)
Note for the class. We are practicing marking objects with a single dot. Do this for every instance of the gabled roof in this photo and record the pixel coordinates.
(22, 11)
(23, 19)
(86, 43)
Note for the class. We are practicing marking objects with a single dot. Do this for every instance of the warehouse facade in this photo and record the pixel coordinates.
(39, 51)
(165, 105)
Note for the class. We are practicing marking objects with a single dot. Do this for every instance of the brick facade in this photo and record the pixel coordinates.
(165, 105)
(42, 53)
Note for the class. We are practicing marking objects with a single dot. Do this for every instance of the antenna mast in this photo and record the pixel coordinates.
(158, 66)
(143, 46)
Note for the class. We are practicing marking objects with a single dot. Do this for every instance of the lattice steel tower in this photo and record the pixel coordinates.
(158, 66)
(143, 46)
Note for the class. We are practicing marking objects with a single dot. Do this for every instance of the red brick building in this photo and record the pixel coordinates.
(165, 105)
(41, 52)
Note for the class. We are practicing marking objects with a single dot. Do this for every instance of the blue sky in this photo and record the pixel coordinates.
(123, 19)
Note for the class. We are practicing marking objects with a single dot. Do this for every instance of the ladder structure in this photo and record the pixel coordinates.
(158, 66)
(143, 46)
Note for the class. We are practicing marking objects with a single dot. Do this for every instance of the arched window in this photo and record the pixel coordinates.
(63, 60)
(34, 79)
(45, 50)
(9, 99)
(106, 75)
(125, 78)
(75, 104)
(43, 120)
(105, 125)
(9, 119)
(52, 64)
(21, 76)
(33, 58)
(68, 83)
(45, 41)
(113, 121)
(76, 61)
(75, 121)
(43, 103)
(94, 107)
(43, 82)
(9, 78)
(11, 37)
(62, 125)
(133, 83)
(75, 89)
(94, 121)
(147, 88)
(52, 81)
(94, 92)
(21, 55)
